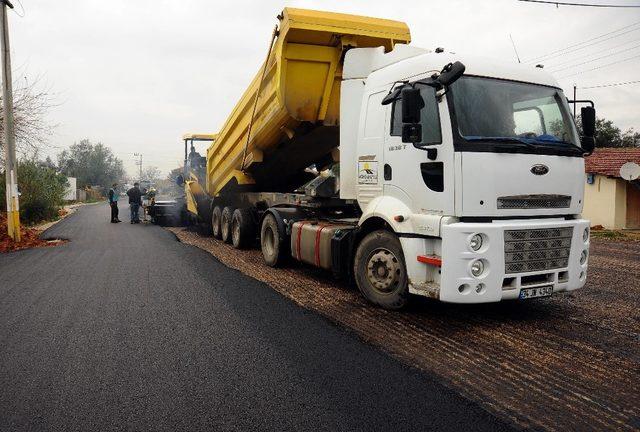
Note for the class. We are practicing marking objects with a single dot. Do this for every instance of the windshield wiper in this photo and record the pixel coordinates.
(514, 140)
(528, 142)
(565, 143)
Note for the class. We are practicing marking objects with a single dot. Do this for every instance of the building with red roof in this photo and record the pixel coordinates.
(610, 200)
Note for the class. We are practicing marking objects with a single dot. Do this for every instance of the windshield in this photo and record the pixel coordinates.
(492, 109)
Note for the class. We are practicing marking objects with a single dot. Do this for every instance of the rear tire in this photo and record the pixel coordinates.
(380, 270)
(216, 216)
(272, 242)
(243, 232)
(183, 218)
(225, 224)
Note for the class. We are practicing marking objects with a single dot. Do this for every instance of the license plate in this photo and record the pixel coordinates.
(542, 291)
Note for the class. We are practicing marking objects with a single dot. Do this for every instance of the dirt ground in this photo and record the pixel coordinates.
(569, 362)
(30, 237)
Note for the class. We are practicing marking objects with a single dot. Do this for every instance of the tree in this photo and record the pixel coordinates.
(42, 190)
(91, 164)
(171, 187)
(631, 138)
(174, 173)
(609, 135)
(151, 173)
(31, 106)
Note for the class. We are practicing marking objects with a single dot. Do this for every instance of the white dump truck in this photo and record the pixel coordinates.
(412, 171)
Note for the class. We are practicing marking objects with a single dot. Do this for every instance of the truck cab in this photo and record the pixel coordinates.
(486, 201)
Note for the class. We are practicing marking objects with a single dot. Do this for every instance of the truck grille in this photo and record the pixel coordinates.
(536, 250)
(534, 202)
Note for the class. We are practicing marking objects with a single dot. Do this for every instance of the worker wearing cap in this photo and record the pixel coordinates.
(114, 196)
(135, 201)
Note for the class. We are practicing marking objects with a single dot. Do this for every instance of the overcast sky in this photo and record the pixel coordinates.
(137, 74)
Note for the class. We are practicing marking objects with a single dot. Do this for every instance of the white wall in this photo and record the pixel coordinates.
(70, 193)
(605, 202)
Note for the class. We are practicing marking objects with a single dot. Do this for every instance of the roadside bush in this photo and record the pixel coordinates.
(41, 191)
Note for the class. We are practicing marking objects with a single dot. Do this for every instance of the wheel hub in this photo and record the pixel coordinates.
(383, 270)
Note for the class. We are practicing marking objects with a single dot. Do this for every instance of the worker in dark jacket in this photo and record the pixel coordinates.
(114, 196)
(135, 201)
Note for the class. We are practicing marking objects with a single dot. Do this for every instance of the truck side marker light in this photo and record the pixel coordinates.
(398, 218)
(433, 260)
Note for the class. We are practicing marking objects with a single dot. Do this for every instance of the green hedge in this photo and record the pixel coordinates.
(41, 189)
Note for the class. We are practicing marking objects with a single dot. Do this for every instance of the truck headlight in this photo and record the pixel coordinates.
(477, 268)
(583, 257)
(585, 234)
(475, 242)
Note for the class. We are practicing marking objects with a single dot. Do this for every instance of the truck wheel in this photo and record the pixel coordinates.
(272, 242)
(184, 218)
(380, 270)
(216, 216)
(243, 231)
(225, 224)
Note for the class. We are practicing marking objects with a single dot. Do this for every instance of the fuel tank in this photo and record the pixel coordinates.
(311, 241)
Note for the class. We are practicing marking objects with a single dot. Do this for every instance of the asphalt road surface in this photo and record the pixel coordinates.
(125, 328)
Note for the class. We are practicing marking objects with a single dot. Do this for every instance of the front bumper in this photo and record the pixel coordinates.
(458, 285)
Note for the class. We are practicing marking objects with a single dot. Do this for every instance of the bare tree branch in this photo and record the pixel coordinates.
(31, 106)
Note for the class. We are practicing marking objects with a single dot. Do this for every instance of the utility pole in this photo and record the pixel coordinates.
(575, 97)
(139, 162)
(11, 166)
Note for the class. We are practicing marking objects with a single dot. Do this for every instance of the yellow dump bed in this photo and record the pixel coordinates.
(296, 116)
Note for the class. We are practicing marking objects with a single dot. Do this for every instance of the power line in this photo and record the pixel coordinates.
(598, 5)
(601, 66)
(568, 49)
(591, 54)
(595, 59)
(610, 85)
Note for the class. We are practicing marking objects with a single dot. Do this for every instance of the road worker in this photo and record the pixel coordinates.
(114, 196)
(135, 201)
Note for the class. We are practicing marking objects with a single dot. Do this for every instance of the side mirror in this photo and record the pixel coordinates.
(588, 144)
(412, 104)
(588, 117)
(450, 73)
(392, 96)
(180, 180)
(411, 133)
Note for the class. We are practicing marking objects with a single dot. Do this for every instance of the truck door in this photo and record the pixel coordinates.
(421, 175)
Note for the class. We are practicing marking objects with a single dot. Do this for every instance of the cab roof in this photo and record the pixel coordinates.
(199, 137)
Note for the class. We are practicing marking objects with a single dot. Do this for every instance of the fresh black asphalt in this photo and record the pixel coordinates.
(125, 328)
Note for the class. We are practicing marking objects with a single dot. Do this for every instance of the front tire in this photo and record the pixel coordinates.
(380, 270)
